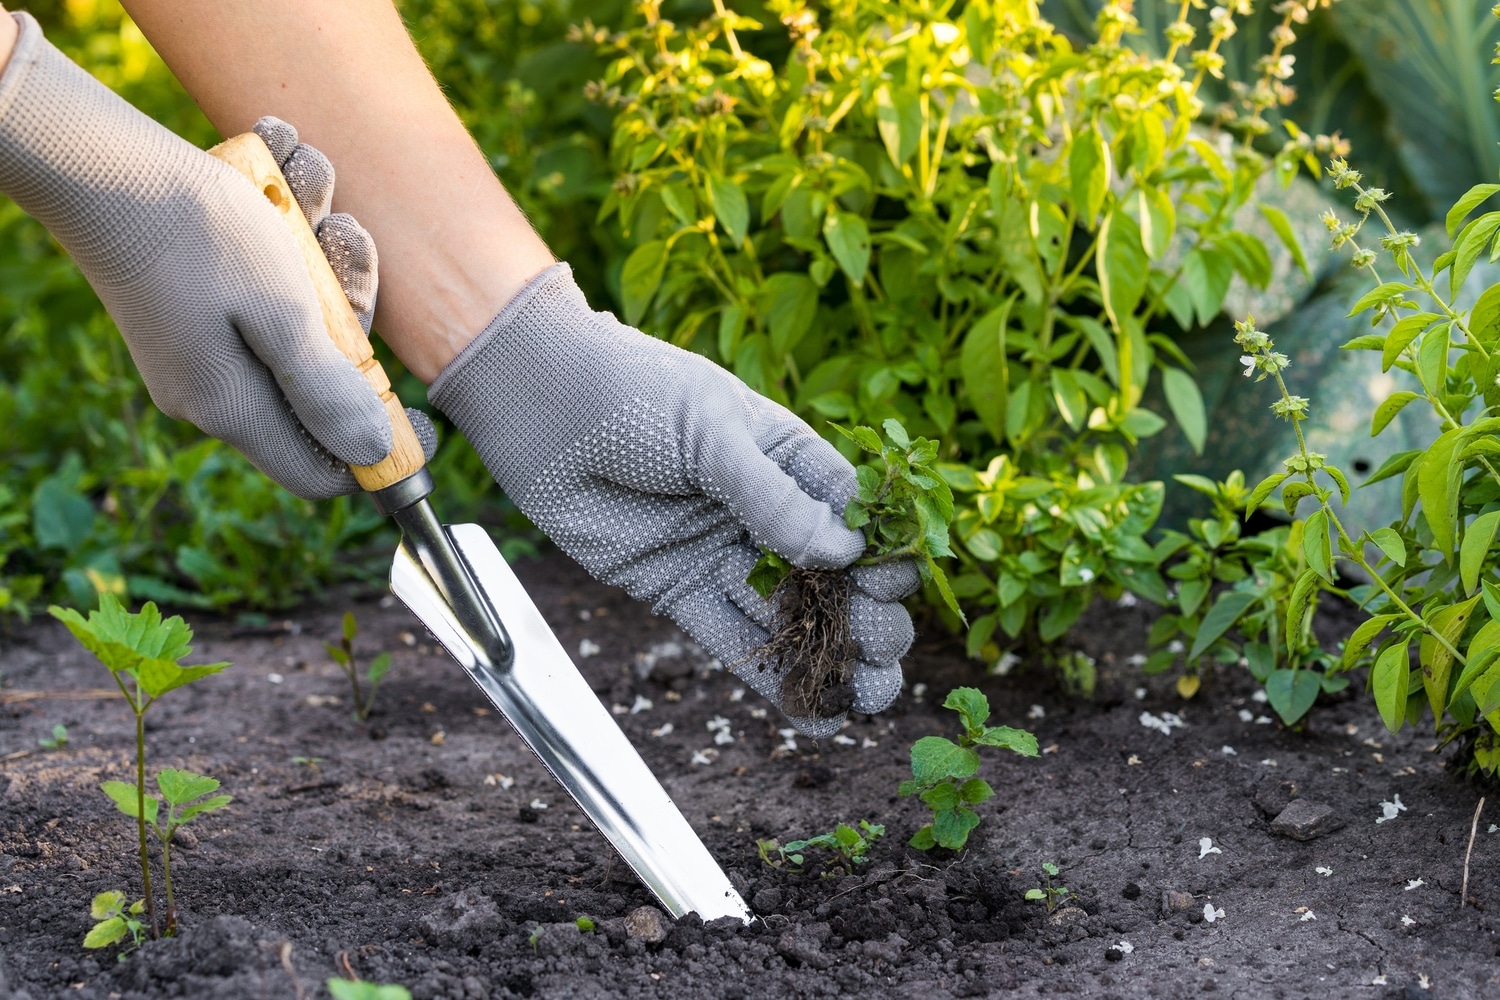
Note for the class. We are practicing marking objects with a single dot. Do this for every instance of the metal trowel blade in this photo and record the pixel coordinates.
(557, 714)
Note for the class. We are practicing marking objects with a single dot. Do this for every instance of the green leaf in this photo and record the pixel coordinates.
(1391, 543)
(107, 904)
(350, 626)
(1035, 894)
(1225, 612)
(106, 933)
(1088, 172)
(1282, 226)
(124, 796)
(1122, 266)
(1491, 595)
(1292, 692)
(1436, 658)
(942, 796)
(1479, 658)
(983, 367)
(1072, 404)
(975, 791)
(923, 840)
(1296, 607)
(790, 304)
(951, 827)
(1263, 490)
(61, 517)
(344, 989)
(730, 207)
(940, 580)
(849, 241)
(181, 787)
(1432, 357)
(971, 705)
(1476, 545)
(767, 573)
(1387, 410)
(1018, 740)
(1470, 200)
(1401, 336)
(1389, 291)
(1467, 248)
(896, 432)
(1391, 679)
(1317, 548)
(1158, 220)
(1333, 473)
(1187, 406)
(1437, 486)
(934, 759)
(206, 806)
(1360, 640)
(898, 118)
(1292, 494)
(379, 667)
(641, 277)
(1393, 466)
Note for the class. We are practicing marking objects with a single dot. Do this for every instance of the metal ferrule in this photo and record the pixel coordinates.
(398, 496)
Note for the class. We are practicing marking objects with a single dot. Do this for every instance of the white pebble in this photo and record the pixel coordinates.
(1036, 712)
(845, 741)
(538, 804)
(642, 704)
(1246, 715)
(275, 678)
(587, 648)
(665, 729)
(1228, 751)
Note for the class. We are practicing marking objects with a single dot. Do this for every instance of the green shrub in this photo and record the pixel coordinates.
(953, 217)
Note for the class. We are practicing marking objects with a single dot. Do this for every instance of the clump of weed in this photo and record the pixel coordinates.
(343, 655)
(944, 773)
(142, 652)
(57, 741)
(904, 508)
(114, 921)
(849, 847)
(1049, 892)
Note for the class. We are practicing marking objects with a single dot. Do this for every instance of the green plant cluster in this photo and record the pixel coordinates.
(343, 655)
(944, 772)
(849, 847)
(954, 217)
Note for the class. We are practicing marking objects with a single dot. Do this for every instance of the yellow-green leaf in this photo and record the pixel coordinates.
(1391, 680)
(1436, 658)
(1476, 545)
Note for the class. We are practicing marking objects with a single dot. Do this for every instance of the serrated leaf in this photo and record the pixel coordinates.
(206, 806)
(1476, 545)
(180, 787)
(106, 933)
(1019, 740)
(943, 795)
(1391, 679)
(975, 791)
(951, 827)
(934, 759)
(971, 705)
(124, 796)
(1220, 618)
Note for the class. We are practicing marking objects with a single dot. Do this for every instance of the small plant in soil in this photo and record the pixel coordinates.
(343, 655)
(1050, 893)
(849, 847)
(904, 508)
(114, 921)
(143, 654)
(586, 925)
(944, 771)
(57, 740)
(358, 989)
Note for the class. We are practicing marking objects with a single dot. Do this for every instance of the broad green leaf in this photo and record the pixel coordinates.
(898, 118)
(1391, 678)
(61, 517)
(641, 277)
(1479, 658)
(124, 796)
(1224, 613)
(107, 904)
(975, 791)
(1088, 172)
(943, 795)
(1476, 545)
(1317, 548)
(1187, 405)
(1437, 486)
(1432, 357)
(181, 787)
(983, 367)
(923, 840)
(106, 933)
(1121, 264)
(1292, 692)
(1402, 334)
(1072, 405)
(157, 677)
(1387, 410)
(934, 759)
(379, 667)
(849, 240)
(1296, 608)
(971, 705)
(730, 207)
(1391, 543)
(1282, 226)
(1158, 220)
(1018, 740)
(1472, 242)
(768, 572)
(206, 806)
(1390, 291)
(789, 304)
(951, 827)
(1437, 659)
(1360, 640)
(896, 432)
(1471, 200)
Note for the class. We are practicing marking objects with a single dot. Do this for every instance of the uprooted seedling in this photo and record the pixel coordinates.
(848, 846)
(943, 772)
(904, 508)
(343, 655)
(143, 654)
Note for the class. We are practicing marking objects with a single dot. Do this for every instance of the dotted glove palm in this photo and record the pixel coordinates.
(662, 473)
(196, 268)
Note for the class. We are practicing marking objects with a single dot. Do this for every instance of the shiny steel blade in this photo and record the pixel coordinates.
(551, 706)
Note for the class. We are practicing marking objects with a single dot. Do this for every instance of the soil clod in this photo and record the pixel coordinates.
(812, 645)
(1305, 820)
(646, 923)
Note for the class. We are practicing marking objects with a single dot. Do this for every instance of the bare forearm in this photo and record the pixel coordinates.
(7, 36)
(453, 246)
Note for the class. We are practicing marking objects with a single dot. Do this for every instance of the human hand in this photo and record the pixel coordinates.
(199, 272)
(662, 473)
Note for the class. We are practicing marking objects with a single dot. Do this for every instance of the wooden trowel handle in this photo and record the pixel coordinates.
(249, 155)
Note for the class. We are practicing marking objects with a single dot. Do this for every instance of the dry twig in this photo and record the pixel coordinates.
(1463, 893)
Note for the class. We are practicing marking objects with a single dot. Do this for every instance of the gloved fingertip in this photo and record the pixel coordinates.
(279, 136)
(310, 176)
(351, 254)
(426, 431)
(818, 729)
(891, 581)
(875, 688)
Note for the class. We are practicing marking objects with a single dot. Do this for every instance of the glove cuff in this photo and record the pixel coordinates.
(72, 154)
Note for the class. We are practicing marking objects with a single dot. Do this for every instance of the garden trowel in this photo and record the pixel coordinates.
(453, 578)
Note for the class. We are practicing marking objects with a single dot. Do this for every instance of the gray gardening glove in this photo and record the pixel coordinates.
(201, 275)
(661, 473)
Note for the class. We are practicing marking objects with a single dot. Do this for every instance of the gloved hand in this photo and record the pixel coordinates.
(661, 473)
(199, 272)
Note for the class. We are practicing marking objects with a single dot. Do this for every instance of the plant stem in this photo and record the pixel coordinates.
(140, 813)
(166, 870)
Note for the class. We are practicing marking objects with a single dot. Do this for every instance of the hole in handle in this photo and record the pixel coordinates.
(273, 194)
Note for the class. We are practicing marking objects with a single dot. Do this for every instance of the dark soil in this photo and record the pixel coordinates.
(417, 849)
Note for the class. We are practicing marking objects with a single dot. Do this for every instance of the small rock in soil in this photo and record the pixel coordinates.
(646, 923)
(1131, 891)
(1068, 915)
(1173, 901)
(766, 901)
(526, 814)
(185, 839)
(1305, 820)
(1113, 954)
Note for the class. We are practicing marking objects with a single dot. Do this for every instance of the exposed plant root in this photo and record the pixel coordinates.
(811, 645)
